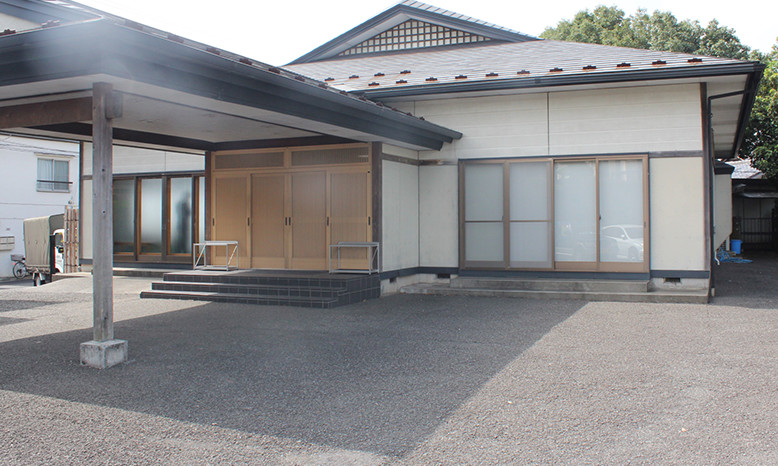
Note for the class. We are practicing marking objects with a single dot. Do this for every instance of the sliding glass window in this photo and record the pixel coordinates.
(577, 214)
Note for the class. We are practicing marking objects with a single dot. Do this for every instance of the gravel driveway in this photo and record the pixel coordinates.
(403, 379)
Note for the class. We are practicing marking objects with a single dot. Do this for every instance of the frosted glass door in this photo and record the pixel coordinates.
(530, 215)
(575, 212)
(151, 216)
(622, 225)
(484, 237)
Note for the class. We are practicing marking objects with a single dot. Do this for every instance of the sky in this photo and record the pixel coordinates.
(278, 31)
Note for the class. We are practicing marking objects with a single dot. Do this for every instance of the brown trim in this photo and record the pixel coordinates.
(376, 172)
(208, 195)
(677, 153)
(707, 171)
(436, 162)
(285, 142)
(50, 113)
(398, 159)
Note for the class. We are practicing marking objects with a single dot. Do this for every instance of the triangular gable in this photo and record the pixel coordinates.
(414, 34)
(377, 35)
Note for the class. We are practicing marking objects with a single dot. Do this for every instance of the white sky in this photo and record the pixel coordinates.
(278, 31)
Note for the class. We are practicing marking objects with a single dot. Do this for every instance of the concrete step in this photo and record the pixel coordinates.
(550, 284)
(685, 296)
(249, 289)
(240, 298)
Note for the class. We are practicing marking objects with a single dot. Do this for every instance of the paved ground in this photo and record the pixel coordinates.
(404, 379)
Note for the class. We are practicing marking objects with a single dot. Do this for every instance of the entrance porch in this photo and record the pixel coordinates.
(270, 287)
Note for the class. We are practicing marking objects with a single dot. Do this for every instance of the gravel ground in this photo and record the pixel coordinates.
(404, 379)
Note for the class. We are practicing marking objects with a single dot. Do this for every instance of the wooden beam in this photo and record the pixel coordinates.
(46, 113)
(102, 212)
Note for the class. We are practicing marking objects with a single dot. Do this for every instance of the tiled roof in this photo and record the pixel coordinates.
(492, 62)
(744, 170)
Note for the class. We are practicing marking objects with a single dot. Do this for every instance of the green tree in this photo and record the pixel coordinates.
(761, 140)
(660, 30)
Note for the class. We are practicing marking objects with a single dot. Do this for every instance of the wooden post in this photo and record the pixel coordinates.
(102, 212)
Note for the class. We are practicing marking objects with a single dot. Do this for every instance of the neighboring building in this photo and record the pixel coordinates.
(462, 147)
(754, 207)
(40, 177)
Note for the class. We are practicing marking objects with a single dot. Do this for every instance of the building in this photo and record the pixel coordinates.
(40, 178)
(462, 147)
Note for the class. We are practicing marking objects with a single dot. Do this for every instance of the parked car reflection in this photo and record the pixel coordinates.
(621, 243)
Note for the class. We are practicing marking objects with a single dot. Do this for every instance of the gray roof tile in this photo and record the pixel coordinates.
(507, 60)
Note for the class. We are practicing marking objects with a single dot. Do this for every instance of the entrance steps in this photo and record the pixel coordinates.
(586, 290)
(277, 288)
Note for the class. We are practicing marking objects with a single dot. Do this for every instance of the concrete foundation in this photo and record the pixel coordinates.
(103, 354)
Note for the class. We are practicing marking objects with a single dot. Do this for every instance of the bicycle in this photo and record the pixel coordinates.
(20, 269)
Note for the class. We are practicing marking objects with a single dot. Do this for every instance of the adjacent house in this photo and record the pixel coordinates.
(40, 178)
(463, 148)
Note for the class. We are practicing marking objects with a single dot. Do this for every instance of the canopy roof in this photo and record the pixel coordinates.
(178, 93)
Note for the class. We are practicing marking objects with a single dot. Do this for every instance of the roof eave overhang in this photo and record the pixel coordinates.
(752, 86)
(336, 45)
(744, 68)
(104, 48)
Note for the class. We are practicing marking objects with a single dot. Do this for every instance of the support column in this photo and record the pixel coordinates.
(103, 351)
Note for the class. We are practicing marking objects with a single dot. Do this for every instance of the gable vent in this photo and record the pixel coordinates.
(413, 34)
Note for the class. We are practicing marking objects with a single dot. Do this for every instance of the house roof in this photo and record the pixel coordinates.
(507, 65)
(209, 99)
(411, 10)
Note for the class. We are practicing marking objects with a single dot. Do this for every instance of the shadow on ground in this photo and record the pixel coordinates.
(378, 376)
(752, 285)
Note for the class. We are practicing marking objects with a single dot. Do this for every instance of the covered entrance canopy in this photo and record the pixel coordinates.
(109, 80)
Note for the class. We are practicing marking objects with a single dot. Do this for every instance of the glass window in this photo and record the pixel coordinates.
(484, 227)
(123, 216)
(575, 210)
(151, 216)
(180, 217)
(621, 211)
(530, 209)
(53, 175)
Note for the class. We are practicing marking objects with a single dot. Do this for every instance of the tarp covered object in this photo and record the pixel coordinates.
(36, 239)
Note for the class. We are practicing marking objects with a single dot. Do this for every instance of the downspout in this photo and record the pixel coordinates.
(749, 96)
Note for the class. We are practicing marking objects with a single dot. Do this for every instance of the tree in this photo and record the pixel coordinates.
(660, 30)
(761, 140)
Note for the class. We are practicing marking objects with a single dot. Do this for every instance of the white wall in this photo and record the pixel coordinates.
(400, 223)
(722, 209)
(677, 213)
(607, 121)
(634, 119)
(439, 216)
(19, 196)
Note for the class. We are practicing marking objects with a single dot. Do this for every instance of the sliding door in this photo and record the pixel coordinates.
(555, 214)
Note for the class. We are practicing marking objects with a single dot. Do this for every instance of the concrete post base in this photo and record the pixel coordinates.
(103, 354)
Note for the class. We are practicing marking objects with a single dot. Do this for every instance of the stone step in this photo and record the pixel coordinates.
(249, 289)
(685, 296)
(239, 298)
(350, 282)
(548, 284)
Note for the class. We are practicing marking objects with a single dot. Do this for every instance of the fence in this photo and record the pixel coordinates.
(71, 240)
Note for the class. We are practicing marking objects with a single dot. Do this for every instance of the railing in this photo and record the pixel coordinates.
(758, 231)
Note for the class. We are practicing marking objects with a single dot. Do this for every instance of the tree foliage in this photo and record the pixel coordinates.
(761, 141)
(660, 30)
